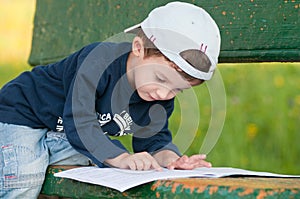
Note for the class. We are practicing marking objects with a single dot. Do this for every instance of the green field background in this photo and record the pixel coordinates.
(261, 130)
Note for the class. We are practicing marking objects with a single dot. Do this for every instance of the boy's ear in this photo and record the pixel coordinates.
(138, 47)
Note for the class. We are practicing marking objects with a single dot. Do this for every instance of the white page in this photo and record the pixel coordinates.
(122, 179)
(229, 171)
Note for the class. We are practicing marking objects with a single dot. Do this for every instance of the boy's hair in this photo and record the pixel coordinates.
(194, 57)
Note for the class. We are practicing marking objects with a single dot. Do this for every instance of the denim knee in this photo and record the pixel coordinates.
(61, 152)
(23, 159)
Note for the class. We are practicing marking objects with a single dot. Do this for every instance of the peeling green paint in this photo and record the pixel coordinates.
(204, 188)
(254, 30)
(182, 188)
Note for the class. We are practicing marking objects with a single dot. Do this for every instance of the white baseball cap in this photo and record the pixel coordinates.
(180, 26)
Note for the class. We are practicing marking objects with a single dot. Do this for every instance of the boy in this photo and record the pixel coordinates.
(62, 113)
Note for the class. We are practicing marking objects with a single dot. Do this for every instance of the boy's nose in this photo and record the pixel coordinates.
(164, 93)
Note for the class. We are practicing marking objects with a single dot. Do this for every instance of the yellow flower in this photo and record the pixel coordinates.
(278, 81)
(252, 130)
(297, 99)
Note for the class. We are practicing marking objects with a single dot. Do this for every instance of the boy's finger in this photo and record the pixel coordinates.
(139, 164)
(155, 165)
(147, 164)
(131, 165)
(151, 163)
(203, 164)
(184, 158)
(199, 157)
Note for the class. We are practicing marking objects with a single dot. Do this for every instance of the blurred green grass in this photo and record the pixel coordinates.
(9, 71)
(261, 130)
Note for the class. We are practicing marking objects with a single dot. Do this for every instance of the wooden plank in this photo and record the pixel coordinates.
(238, 187)
(253, 30)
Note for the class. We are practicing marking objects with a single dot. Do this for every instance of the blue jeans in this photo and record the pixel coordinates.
(25, 154)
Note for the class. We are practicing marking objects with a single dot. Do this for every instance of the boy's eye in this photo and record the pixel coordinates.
(178, 90)
(160, 79)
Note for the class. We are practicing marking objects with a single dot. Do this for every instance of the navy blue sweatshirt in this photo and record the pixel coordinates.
(81, 95)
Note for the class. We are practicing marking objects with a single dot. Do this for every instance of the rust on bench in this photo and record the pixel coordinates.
(229, 187)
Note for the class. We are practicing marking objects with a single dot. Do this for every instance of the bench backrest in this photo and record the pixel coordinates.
(252, 30)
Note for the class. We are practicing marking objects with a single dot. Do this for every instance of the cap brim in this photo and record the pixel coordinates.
(187, 68)
(133, 29)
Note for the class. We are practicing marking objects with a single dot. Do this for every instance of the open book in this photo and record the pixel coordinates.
(121, 179)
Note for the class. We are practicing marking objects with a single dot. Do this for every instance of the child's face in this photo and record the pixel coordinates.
(156, 79)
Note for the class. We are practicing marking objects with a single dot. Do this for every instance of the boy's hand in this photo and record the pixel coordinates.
(188, 163)
(138, 161)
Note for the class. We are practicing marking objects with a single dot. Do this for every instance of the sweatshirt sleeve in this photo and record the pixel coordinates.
(161, 140)
(80, 119)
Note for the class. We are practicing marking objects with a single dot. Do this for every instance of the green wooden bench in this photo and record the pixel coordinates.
(252, 31)
(242, 187)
